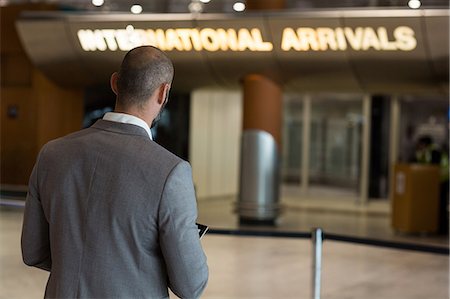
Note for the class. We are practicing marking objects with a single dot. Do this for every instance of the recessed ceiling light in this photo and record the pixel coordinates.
(239, 6)
(414, 4)
(195, 7)
(98, 2)
(129, 28)
(205, 1)
(136, 9)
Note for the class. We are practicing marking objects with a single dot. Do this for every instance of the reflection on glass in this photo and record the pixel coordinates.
(292, 140)
(422, 116)
(335, 146)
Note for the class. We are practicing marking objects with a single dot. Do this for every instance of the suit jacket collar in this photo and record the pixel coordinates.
(121, 128)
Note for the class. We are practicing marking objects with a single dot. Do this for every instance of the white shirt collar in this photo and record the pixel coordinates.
(128, 119)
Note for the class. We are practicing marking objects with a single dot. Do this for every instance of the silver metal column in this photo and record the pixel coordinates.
(317, 238)
(259, 178)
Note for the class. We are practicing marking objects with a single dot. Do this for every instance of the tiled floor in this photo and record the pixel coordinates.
(337, 216)
(255, 267)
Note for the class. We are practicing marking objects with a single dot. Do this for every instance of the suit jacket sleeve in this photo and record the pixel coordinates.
(35, 240)
(179, 239)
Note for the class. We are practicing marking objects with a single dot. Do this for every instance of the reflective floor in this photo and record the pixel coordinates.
(334, 215)
(258, 267)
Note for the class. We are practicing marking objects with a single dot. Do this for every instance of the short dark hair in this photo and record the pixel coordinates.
(142, 71)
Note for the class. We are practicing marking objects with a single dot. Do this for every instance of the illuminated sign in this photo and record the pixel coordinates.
(212, 40)
(339, 39)
(181, 39)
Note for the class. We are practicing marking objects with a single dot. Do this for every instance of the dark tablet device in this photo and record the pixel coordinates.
(202, 229)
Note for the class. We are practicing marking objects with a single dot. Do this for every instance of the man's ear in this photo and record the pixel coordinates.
(163, 93)
(113, 82)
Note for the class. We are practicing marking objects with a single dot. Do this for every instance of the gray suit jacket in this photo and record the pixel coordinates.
(111, 214)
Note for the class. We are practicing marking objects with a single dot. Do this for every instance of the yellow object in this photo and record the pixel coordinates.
(415, 198)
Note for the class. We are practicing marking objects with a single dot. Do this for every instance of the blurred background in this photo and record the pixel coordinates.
(294, 114)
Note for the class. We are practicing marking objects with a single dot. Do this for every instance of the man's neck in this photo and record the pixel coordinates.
(135, 112)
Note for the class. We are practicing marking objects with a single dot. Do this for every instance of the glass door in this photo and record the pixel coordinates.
(335, 145)
(292, 141)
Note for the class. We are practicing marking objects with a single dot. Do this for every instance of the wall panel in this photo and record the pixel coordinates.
(216, 117)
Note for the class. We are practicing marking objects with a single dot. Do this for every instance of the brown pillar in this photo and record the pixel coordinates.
(261, 141)
(263, 96)
(262, 105)
(265, 4)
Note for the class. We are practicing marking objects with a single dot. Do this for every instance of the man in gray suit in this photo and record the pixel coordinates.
(110, 213)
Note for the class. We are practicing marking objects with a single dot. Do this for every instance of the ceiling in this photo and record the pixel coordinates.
(71, 48)
(216, 6)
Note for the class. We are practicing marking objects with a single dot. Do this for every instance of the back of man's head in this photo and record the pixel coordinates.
(143, 70)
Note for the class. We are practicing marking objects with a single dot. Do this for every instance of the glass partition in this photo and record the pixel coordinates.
(292, 140)
(420, 117)
(336, 138)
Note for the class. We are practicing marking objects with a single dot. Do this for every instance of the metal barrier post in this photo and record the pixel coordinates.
(317, 238)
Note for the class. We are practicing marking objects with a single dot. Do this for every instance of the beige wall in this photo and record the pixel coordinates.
(215, 132)
(44, 110)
